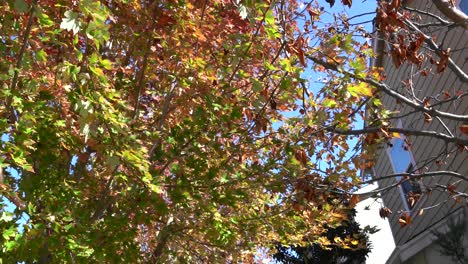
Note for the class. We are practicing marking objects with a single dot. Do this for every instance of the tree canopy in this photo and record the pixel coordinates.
(187, 131)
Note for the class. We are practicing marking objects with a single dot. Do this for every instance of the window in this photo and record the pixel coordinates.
(402, 161)
(464, 6)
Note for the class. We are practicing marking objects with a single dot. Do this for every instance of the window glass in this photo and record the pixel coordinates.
(464, 6)
(400, 157)
(402, 162)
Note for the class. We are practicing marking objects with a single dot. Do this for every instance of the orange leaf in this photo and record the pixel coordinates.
(353, 201)
(404, 220)
(427, 118)
(384, 212)
(464, 129)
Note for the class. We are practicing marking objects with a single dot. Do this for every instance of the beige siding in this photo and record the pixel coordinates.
(424, 149)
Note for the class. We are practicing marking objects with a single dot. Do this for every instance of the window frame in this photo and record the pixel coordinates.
(412, 163)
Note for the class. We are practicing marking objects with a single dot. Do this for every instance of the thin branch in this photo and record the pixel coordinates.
(412, 132)
(162, 118)
(444, 187)
(141, 76)
(360, 15)
(451, 64)
(441, 20)
(24, 43)
(386, 89)
(447, 8)
(418, 175)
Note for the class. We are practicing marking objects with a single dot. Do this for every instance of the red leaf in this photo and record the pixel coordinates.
(444, 57)
(353, 201)
(404, 220)
(312, 13)
(347, 2)
(384, 212)
(451, 188)
(464, 129)
(427, 118)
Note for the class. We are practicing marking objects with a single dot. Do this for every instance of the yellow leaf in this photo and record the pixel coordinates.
(360, 89)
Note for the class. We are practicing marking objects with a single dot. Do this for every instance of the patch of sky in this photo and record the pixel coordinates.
(6, 205)
(362, 14)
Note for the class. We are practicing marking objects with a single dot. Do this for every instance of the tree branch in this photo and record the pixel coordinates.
(442, 21)
(386, 89)
(424, 133)
(24, 43)
(452, 12)
(418, 175)
(451, 64)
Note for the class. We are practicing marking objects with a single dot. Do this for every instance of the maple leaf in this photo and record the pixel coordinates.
(70, 22)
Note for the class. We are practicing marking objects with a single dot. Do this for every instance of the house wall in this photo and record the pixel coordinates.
(430, 255)
(424, 149)
(367, 214)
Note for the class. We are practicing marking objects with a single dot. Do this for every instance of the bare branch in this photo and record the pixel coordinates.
(451, 64)
(452, 12)
(441, 20)
(24, 43)
(418, 175)
(386, 89)
(412, 132)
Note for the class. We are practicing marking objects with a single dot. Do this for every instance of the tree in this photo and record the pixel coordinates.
(451, 243)
(160, 131)
(336, 252)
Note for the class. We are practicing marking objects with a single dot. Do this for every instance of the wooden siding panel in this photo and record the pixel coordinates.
(424, 148)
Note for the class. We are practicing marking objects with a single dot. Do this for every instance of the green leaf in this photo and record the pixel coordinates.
(70, 22)
(41, 56)
(11, 232)
(6, 217)
(21, 6)
(45, 20)
(10, 245)
(361, 89)
(270, 18)
(107, 64)
(329, 103)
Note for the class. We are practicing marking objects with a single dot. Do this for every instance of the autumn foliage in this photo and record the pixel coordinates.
(184, 131)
